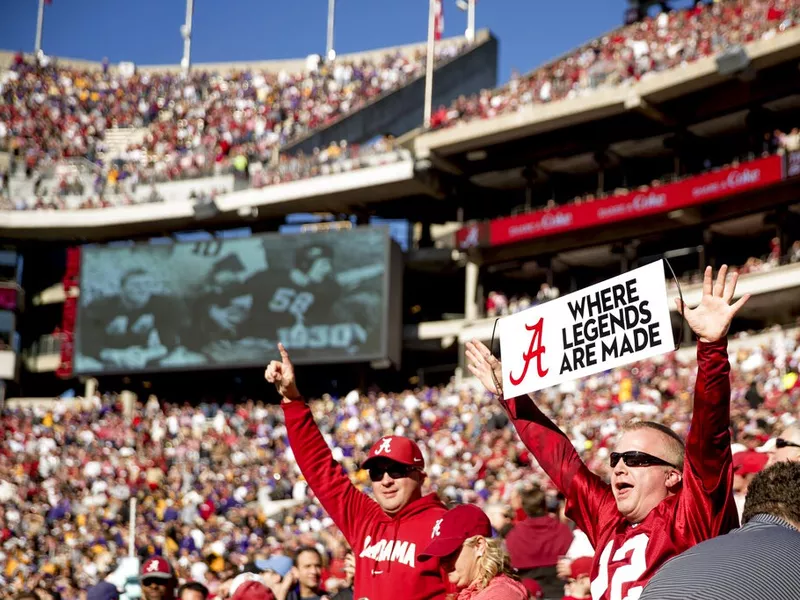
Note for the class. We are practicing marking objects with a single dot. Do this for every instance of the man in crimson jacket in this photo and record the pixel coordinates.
(663, 498)
(386, 533)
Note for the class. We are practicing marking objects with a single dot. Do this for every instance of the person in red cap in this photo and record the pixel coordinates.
(247, 586)
(157, 579)
(579, 586)
(384, 533)
(475, 563)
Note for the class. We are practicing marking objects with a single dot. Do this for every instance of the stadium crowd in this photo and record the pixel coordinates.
(219, 491)
(336, 158)
(629, 54)
(194, 126)
(217, 123)
(218, 488)
(70, 189)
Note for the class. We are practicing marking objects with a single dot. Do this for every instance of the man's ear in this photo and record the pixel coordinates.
(674, 478)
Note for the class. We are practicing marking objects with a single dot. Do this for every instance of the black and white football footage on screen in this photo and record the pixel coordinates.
(134, 329)
(236, 316)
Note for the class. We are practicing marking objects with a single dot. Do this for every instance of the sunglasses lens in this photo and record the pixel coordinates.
(395, 472)
(637, 460)
(634, 458)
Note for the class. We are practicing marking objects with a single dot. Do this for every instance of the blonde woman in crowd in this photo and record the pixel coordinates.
(476, 564)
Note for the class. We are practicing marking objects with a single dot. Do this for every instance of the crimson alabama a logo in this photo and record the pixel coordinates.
(152, 567)
(386, 446)
(535, 350)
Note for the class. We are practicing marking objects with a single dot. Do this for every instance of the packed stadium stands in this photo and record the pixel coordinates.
(172, 145)
(72, 189)
(668, 41)
(217, 487)
(500, 224)
(52, 112)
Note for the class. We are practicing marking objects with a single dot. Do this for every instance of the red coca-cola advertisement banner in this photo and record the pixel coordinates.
(660, 199)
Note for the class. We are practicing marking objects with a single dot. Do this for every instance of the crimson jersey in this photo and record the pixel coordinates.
(628, 555)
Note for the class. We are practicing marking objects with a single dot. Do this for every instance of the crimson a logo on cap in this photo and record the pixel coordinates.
(152, 567)
(386, 446)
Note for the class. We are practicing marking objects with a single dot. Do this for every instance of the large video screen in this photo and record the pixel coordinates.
(226, 303)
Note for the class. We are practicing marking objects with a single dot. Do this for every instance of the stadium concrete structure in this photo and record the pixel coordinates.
(502, 202)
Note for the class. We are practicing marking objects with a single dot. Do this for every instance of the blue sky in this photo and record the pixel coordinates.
(147, 31)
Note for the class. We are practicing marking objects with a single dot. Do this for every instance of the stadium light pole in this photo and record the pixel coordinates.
(329, 51)
(186, 34)
(429, 64)
(39, 25)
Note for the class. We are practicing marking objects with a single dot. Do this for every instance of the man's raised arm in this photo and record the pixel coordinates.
(327, 479)
(587, 495)
(708, 445)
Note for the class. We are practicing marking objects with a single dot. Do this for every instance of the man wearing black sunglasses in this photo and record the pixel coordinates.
(787, 446)
(659, 502)
(385, 533)
(157, 579)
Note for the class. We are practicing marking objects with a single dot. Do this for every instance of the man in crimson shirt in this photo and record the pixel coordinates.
(663, 499)
(386, 533)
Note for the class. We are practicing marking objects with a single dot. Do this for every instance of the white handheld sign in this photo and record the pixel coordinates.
(619, 321)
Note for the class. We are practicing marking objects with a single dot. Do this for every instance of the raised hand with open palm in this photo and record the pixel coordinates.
(711, 319)
(485, 366)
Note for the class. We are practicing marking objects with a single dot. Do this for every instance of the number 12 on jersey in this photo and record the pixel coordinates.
(636, 548)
